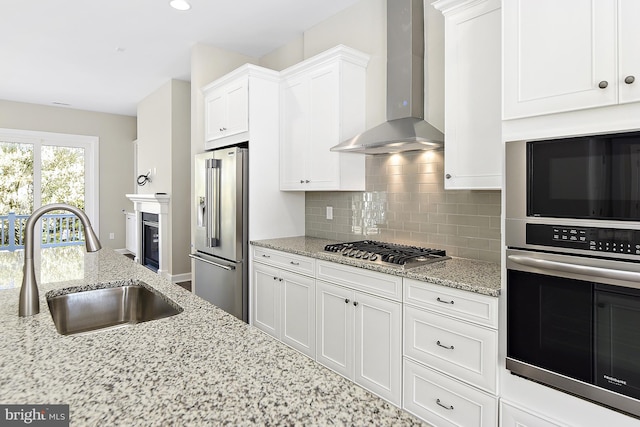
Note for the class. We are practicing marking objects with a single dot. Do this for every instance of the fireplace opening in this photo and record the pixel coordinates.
(150, 248)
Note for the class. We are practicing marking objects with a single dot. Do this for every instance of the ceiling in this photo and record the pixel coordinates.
(106, 56)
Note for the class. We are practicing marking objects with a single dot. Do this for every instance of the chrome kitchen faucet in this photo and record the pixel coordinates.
(29, 303)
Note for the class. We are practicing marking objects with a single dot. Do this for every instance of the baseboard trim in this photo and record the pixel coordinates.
(178, 278)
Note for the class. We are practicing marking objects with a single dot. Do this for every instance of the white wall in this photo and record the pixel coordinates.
(164, 139)
(116, 133)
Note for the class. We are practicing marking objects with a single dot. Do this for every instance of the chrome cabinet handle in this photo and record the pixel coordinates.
(450, 407)
(629, 79)
(444, 302)
(294, 263)
(266, 256)
(603, 84)
(444, 346)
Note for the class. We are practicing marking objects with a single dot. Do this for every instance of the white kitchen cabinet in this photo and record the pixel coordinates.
(358, 333)
(227, 109)
(322, 104)
(585, 56)
(450, 355)
(473, 121)
(445, 402)
(284, 301)
(512, 415)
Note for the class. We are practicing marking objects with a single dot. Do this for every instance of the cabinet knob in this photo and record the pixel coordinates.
(448, 176)
(355, 303)
(346, 301)
(629, 79)
(280, 279)
(302, 181)
(294, 263)
(603, 84)
(306, 181)
(275, 278)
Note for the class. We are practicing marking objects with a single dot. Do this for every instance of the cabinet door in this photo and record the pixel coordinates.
(237, 106)
(511, 416)
(295, 134)
(473, 121)
(628, 48)
(215, 114)
(334, 327)
(321, 163)
(298, 313)
(445, 402)
(266, 299)
(557, 55)
(378, 354)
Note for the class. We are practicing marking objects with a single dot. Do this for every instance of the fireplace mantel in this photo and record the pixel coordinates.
(156, 204)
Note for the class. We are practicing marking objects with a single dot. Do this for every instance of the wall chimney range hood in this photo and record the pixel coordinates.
(405, 128)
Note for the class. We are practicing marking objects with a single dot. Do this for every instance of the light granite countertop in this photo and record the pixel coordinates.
(200, 367)
(461, 273)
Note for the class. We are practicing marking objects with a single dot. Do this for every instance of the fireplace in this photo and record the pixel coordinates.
(150, 256)
(153, 239)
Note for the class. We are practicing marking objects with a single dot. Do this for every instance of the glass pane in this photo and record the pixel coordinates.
(16, 185)
(63, 175)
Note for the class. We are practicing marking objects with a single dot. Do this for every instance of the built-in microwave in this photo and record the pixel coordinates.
(572, 231)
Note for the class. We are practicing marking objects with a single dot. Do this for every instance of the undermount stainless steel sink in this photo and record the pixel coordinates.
(108, 308)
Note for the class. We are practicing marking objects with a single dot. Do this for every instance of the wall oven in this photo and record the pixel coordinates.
(572, 232)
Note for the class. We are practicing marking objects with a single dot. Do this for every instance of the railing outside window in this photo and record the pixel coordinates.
(57, 230)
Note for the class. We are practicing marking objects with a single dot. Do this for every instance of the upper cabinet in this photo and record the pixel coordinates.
(473, 124)
(322, 104)
(569, 55)
(226, 105)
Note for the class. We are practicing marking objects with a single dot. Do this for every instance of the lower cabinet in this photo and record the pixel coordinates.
(284, 306)
(444, 401)
(359, 336)
(514, 416)
(450, 355)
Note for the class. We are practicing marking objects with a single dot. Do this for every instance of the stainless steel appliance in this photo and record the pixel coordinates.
(388, 253)
(221, 229)
(573, 266)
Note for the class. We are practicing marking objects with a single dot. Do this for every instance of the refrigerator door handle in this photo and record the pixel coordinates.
(199, 258)
(213, 197)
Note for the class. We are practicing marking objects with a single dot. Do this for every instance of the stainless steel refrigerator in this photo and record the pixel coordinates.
(221, 224)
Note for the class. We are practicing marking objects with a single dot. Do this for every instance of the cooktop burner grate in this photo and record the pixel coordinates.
(388, 253)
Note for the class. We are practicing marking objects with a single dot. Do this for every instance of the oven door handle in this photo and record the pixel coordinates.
(606, 273)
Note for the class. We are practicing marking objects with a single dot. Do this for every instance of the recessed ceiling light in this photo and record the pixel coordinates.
(180, 4)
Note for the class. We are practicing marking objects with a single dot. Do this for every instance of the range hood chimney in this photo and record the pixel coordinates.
(405, 128)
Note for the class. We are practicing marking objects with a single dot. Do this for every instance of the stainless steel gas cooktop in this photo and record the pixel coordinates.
(388, 253)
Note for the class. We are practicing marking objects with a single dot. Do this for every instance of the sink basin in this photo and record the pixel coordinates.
(108, 308)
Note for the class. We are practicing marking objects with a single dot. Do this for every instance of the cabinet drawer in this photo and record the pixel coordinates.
(463, 350)
(296, 263)
(381, 284)
(445, 402)
(464, 305)
(513, 416)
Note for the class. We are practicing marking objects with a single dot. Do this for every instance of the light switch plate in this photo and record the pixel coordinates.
(329, 212)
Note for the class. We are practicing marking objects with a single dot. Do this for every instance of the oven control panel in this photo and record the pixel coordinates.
(614, 240)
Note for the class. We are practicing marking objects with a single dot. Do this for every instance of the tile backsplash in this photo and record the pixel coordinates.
(405, 202)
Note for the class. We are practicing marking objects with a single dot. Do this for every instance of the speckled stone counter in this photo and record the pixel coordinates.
(466, 274)
(199, 367)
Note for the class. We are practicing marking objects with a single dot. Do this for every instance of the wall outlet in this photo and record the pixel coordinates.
(329, 212)
(112, 236)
